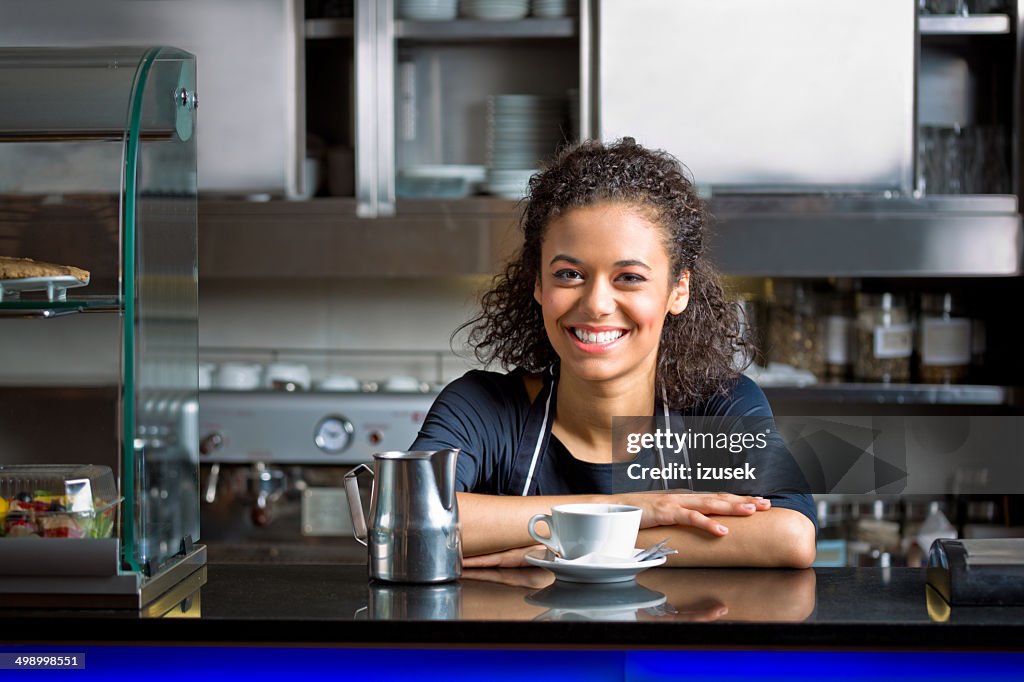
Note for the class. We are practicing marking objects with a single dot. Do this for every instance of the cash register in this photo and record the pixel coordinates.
(978, 572)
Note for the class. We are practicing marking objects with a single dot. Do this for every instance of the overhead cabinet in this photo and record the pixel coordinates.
(797, 96)
(250, 54)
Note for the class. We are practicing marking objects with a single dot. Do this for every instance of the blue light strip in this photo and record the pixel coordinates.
(174, 663)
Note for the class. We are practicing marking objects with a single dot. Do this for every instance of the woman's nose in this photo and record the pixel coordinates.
(598, 300)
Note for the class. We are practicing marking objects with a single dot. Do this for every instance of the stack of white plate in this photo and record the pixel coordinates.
(427, 10)
(555, 8)
(521, 131)
(495, 9)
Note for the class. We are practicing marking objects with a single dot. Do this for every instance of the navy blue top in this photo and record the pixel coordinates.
(485, 415)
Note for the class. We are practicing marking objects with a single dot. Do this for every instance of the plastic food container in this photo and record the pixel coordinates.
(57, 501)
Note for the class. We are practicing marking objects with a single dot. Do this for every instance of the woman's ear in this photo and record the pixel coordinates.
(679, 297)
(536, 290)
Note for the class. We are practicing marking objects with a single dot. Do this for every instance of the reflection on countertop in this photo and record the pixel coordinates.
(691, 595)
(335, 603)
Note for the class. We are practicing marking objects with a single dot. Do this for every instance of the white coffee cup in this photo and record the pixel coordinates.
(239, 376)
(580, 529)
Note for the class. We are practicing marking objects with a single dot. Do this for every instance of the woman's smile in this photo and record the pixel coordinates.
(597, 339)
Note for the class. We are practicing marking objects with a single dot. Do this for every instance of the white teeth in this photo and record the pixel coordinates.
(597, 337)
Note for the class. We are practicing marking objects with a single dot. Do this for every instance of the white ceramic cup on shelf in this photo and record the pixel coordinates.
(580, 529)
(206, 372)
(288, 376)
(239, 376)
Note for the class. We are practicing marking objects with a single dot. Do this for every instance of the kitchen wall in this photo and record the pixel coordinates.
(415, 316)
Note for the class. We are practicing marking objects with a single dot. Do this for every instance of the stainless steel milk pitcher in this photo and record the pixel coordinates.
(413, 530)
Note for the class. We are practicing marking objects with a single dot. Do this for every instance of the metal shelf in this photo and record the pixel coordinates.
(329, 28)
(476, 29)
(949, 25)
(325, 238)
(965, 236)
(459, 30)
(897, 394)
(962, 236)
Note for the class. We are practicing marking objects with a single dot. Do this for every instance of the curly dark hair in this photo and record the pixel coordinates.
(696, 356)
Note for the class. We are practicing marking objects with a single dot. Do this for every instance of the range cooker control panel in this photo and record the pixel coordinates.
(307, 428)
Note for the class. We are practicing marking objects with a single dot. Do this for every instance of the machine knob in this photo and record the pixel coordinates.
(210, 443)
(333, 434)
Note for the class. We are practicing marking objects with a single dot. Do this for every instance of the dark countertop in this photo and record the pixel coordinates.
(831, 608)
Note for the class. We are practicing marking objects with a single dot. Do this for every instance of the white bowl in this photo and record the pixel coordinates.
(339, 382)
(288, 376)
(239, 376)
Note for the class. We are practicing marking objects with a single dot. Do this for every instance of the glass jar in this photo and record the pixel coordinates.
(945, 340)
(794, 333)
(979, 346)
(885, 338)
(838, 337)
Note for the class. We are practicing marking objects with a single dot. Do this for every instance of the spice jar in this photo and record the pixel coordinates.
(838, 337)
(885, 339)
(945, 340)
(978, 346)
(794, 333)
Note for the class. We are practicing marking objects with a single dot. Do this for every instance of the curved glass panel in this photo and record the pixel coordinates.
(162, 338)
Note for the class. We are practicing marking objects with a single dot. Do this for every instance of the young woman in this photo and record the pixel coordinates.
(609, 310)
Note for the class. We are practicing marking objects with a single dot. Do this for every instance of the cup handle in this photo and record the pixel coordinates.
(552, 542)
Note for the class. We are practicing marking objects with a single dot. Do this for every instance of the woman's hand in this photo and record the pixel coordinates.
(692, 509)
(510, 558)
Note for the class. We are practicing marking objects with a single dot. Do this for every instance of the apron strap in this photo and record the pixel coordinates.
(661, 409)
(536, 433)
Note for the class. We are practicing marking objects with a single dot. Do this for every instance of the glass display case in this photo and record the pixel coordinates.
(99, 317)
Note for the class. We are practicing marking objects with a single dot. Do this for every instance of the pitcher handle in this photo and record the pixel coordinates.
(355, 502)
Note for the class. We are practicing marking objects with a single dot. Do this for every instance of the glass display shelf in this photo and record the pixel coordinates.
(98, 174)
(46, 309)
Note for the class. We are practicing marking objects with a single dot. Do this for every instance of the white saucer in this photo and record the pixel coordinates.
(577, 597)
(590, 573)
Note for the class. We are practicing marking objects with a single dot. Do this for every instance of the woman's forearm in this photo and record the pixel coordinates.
(767, 537)
(776, 538)
(493, 523)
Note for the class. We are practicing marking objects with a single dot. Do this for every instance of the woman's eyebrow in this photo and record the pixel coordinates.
(567, 259)
(618, 263)
(628, 263)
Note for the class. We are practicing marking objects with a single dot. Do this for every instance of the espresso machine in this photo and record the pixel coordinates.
(272, 465)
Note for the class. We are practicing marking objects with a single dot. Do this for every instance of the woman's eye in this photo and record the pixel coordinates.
(568, 275)
(632, 278)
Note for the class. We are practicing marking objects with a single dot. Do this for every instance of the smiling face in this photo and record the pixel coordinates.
(605, 287)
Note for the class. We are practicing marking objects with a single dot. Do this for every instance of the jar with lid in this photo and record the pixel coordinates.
(794, 336)
(945, 340)
(839, 323)
(978, 347)
(885, 338)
